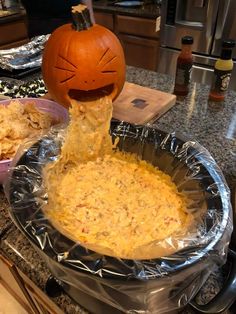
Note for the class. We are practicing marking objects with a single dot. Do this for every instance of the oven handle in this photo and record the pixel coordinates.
(227, 295)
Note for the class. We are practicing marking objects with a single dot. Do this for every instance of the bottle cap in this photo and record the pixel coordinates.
(228, 43)
(187, 40)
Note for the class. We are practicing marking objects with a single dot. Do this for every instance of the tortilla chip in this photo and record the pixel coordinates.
(19, 122)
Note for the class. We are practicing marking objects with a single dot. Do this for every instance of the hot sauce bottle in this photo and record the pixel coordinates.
(184, 67)
(222, 72)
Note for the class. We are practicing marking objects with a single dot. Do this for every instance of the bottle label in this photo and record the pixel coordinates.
(221, 81)
(183, 74)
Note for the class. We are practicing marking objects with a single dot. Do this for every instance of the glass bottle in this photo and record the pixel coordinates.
(222, 72)
(184, 67)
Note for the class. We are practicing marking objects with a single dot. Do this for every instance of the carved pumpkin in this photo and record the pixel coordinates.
(83, 60)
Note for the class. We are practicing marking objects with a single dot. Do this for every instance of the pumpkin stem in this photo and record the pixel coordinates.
(81, 17)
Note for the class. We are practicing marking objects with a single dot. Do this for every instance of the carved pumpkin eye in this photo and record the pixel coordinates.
(105, 62)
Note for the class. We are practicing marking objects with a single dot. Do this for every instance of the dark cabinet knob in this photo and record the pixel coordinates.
(53, 288)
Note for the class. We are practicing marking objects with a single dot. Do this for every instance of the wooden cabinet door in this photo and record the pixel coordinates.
(15, 44)
(140, 52)
(104, 19)
(136, 26)
(43, 303)
(13, 32)
(10, 279)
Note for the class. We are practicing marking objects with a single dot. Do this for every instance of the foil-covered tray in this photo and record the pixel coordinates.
(24, 57)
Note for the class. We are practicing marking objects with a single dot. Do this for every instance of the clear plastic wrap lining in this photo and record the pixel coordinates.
(130, 286)
(25, 56)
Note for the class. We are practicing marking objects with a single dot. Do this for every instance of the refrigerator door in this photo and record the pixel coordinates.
(226, 25)
(196, 18)
(202, 71)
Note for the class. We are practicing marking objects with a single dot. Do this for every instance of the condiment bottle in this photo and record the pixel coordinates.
(222, 72)
(184, 67)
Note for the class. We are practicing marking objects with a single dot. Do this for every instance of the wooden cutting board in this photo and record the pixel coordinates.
(140, 105)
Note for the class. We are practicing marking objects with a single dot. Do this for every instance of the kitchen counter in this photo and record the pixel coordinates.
(148, 10)
(16, 14)
(13, 28)
(214, 126)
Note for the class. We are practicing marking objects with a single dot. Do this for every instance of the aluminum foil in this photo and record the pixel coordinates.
(25, 56)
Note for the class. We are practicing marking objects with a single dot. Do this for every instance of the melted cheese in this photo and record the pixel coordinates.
(110, 201)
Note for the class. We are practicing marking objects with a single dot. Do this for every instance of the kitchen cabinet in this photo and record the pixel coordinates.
(140, 41)
(140, 52)
(30, 297)
(41, 300)
(105, 19)
(13, 32)
(10, 279)
(138, 37)
(141, 27)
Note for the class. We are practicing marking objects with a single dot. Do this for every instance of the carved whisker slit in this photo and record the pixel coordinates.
(64, 69)
(109, 61)
(67, 79)
(103, 56)
(109, 71)
(63, 58)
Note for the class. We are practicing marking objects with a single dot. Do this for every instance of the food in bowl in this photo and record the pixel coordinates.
(19, 122)
(109, 201)
(32, 119)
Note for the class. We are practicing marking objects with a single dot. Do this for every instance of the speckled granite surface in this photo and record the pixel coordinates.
(212, 125)
(149, 10)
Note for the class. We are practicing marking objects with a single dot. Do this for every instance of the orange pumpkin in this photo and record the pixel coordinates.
(83, 60)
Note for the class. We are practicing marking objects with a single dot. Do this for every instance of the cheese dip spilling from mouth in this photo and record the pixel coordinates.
(109, 201)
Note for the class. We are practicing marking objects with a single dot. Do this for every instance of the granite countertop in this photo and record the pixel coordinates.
(148, 10)
(212, 125)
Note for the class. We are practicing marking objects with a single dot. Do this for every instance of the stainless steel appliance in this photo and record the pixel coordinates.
(209, 22)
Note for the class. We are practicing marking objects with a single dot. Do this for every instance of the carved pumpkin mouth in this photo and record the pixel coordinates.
(92, 94)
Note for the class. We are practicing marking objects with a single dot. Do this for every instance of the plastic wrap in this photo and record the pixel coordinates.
(25, 56)
(130, 286)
